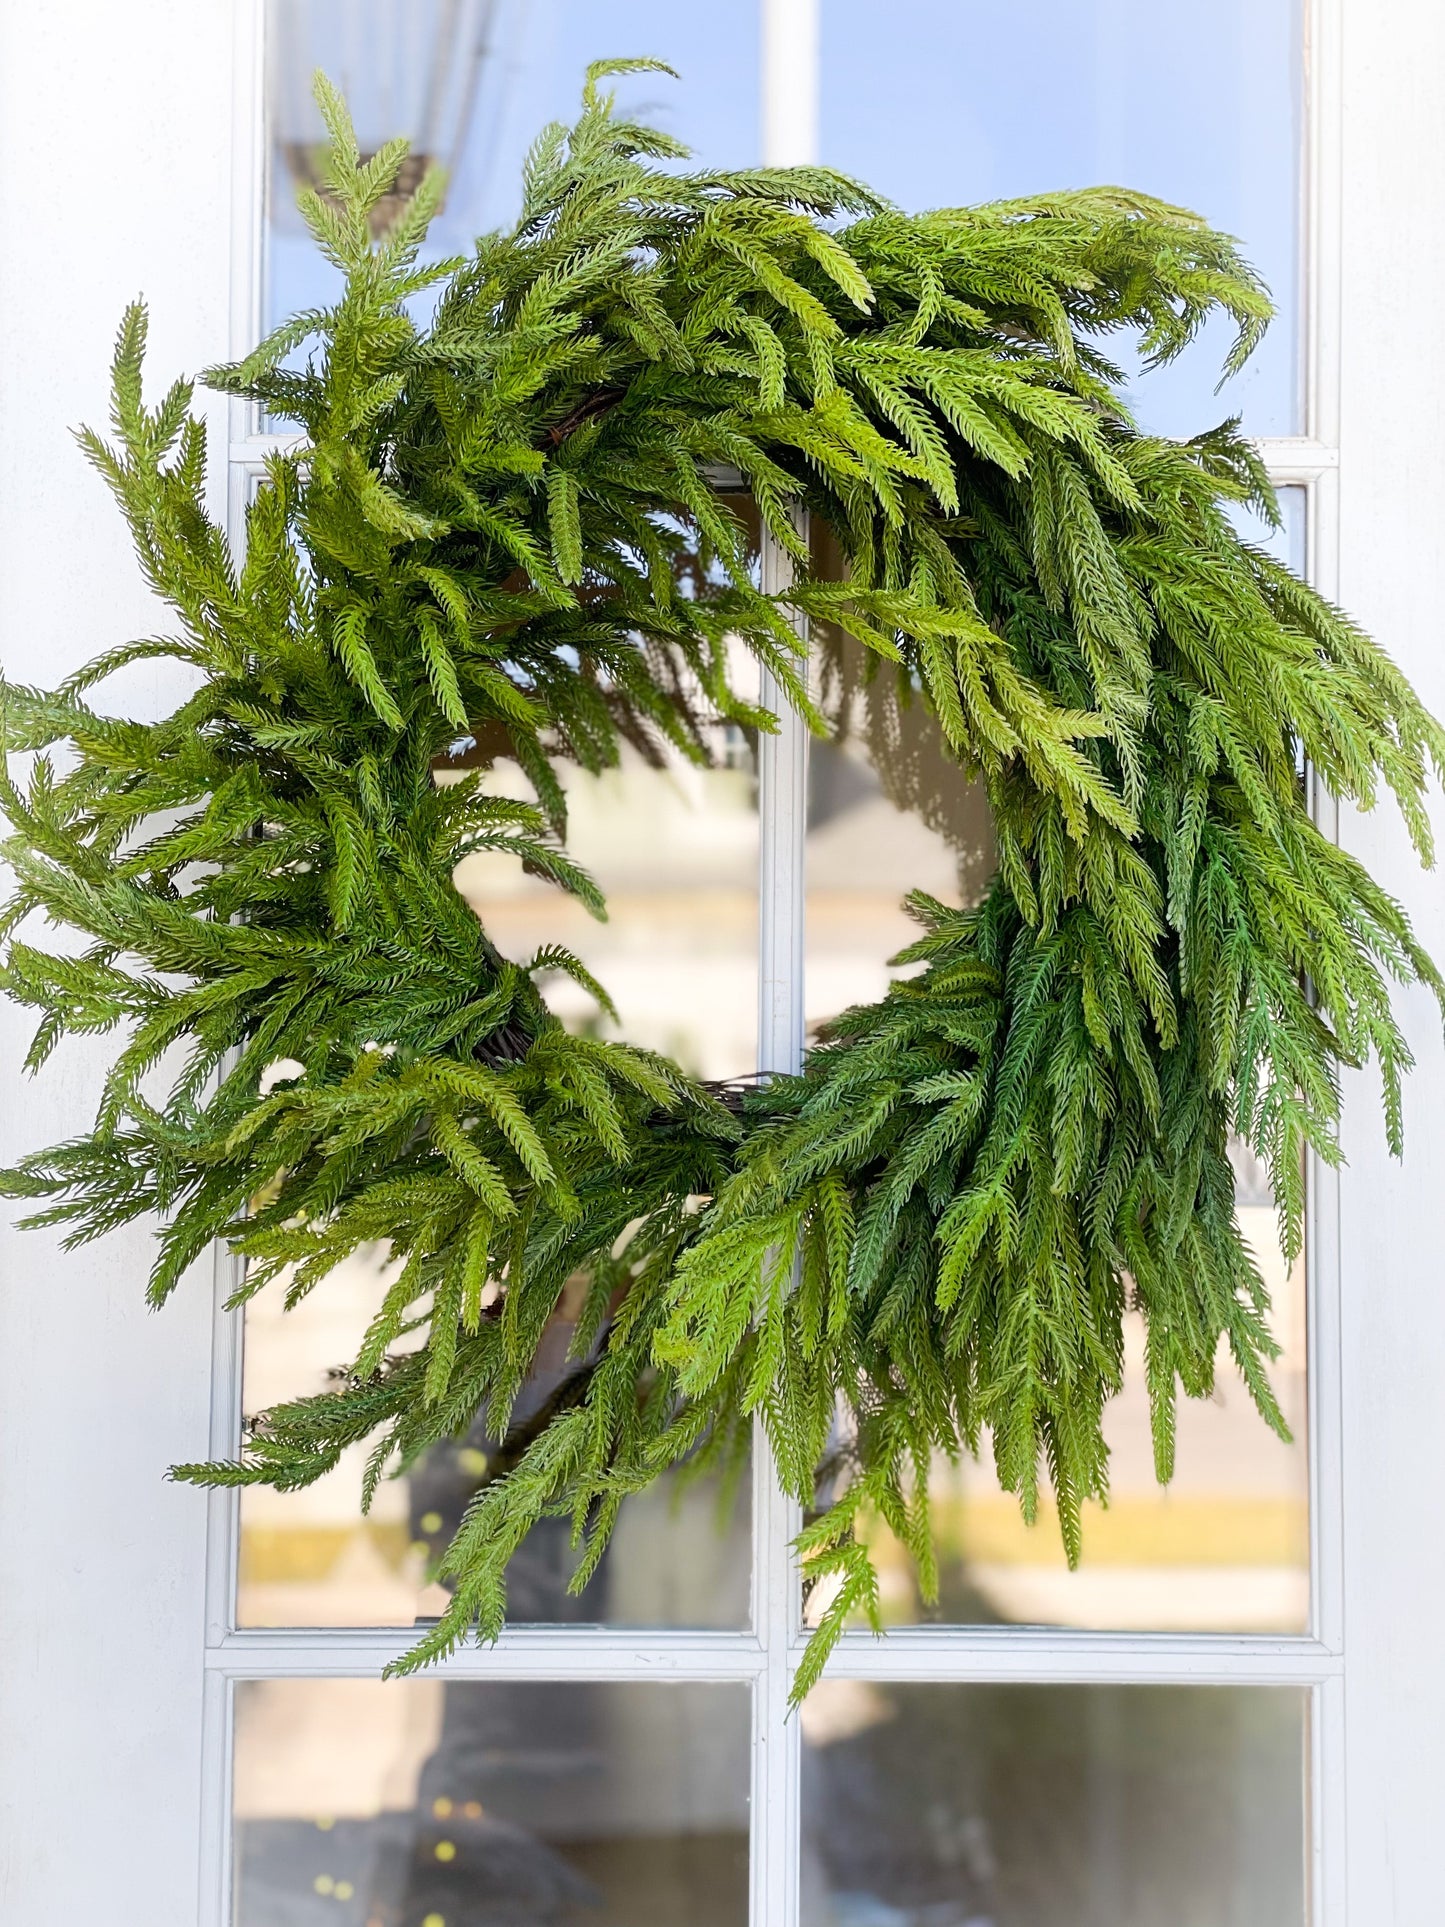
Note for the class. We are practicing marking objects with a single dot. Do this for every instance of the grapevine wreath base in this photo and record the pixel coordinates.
(505, 536)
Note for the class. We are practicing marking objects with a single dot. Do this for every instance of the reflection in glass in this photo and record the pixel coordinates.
(962, 101)
(309, 1558)
(674, 849)
(889, 810)
(1036, 1806)
(1224, 1548)
(1288, 543)
(471, 83)
(423, 1804)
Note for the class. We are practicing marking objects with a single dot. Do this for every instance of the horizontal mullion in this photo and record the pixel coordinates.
(256, 450)
(1029, 1654)
(1287, 457)
(1292, 459)
(907, 1653)
(540, 1653)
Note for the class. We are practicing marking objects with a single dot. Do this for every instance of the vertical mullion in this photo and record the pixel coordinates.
(782, 804)
(789, 84)
(223, 1504)
(1321, 212)
(247, 217)
(214, 1904)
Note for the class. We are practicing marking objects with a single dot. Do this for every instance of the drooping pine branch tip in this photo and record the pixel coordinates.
(506, 525)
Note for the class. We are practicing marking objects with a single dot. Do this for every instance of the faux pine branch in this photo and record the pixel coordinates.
(505, 529)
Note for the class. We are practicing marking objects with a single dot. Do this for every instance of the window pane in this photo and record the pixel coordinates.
(960, 101)
(1289, 542)
(423, 1804)
(1036, 1806)
(675, 852)
(471, 83)
(674, 848)
(1225, 1548)
(310, 1559)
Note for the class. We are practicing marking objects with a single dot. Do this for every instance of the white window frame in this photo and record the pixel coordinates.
(119, 1653)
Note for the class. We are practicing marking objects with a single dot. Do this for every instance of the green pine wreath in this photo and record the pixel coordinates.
(506, 528)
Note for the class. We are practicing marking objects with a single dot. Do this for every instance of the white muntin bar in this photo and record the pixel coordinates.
(520, 1653)
(790, 40)
(790, 30)
(783, 808)
(956, 1654)
(777, 1760)
(1061, 1656)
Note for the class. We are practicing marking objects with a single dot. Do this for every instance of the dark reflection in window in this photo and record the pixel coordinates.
(507, 1804)
(1041, 1806)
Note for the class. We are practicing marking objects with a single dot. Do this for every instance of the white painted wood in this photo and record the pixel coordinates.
(1034, 1653)
(223, 1507)
(789, 82)
(214, 1846)
(1315, 462)
(907, 1653)
(1320, 194)
(1296, 458)
(1392, 577)
(247, 203)
(115, 132)
(777, 1759)
(790, 86)
(521, 1652)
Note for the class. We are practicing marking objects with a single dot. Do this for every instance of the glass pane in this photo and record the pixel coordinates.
(1289, 542)
(1225, 1548)
(471, 83)
(675, 851)
(1037, 1806)
(310, 1559)
(962, 101)
(423, 1804)
(674, 848)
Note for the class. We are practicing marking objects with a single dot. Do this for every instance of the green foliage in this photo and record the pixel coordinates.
(508, 525)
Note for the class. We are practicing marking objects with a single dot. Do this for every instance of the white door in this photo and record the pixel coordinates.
(1235, 1711)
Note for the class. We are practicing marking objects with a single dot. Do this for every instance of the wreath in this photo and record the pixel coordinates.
(506, 532)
